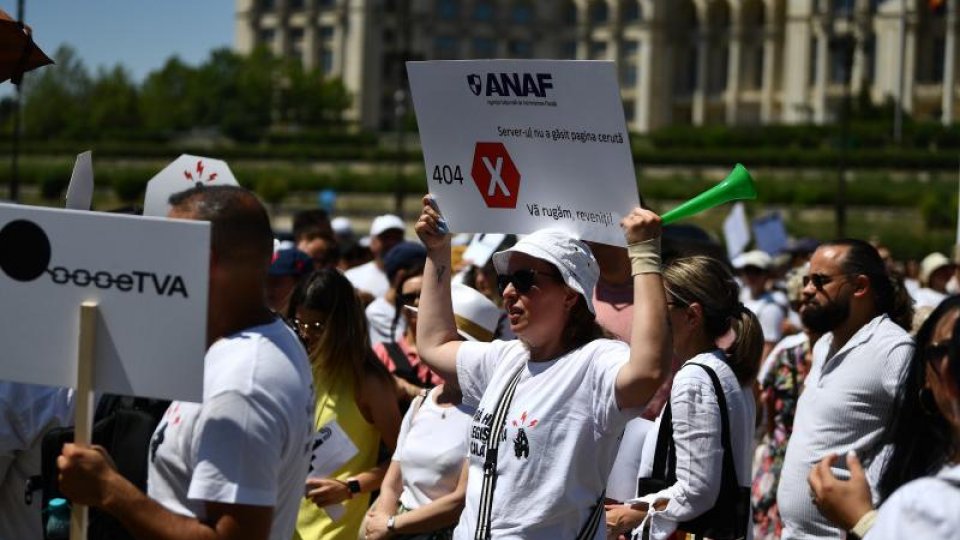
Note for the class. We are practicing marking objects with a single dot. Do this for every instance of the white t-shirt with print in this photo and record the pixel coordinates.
(769, 312)
(560, 437)
(249, 442)
(430, 450)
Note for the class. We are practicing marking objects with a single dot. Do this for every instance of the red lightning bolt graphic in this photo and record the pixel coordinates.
(188, 175)
(200, 169)
(213, 176)
(533, 423)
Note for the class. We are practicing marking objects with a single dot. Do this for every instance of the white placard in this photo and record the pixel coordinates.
(770, 233)
(482, 247)
(80, 190)
(185, 172)
(513, 146)
(736, 230)
(152, 308)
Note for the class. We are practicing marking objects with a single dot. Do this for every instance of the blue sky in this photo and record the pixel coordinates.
(139, 34)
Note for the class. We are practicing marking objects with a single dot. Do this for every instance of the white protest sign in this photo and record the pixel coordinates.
(80, 190)
(513, 146)
(770, 233)
(151, 308)
(184, 173)
(736, 230)
(482, 247)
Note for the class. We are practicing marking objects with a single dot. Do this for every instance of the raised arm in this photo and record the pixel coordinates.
(650, 346)
(437, 338)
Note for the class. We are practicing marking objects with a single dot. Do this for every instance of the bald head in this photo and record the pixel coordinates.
(240, 227)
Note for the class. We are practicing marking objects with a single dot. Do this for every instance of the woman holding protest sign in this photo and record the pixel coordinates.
(557, 398)
(352, 416)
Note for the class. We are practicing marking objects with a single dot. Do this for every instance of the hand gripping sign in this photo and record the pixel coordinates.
(534, 144)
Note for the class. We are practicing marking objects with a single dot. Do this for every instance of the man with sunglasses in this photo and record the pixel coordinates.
(849, 297)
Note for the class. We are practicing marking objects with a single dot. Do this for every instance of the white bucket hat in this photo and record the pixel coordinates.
(930, 264)
(570, 256)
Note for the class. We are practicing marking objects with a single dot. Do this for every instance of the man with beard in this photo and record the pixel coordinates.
(849, 297)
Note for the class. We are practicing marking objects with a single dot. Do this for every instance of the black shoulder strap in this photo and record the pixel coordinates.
(401, 364)
(491, 455)
(728, 476)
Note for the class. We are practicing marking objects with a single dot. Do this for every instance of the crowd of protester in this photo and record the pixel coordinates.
(538, 386)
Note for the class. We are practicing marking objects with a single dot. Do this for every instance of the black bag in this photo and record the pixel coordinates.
(124, 426)
(730, 515)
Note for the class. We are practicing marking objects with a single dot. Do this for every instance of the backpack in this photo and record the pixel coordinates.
(124, 427)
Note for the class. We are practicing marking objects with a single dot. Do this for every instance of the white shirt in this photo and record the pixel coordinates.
(27, 412)
(923, 508)
(430, 450)
(622, 483)
(769, 312)
(559, 440)
(697, 439)
(249, 442)
(927, 297)
(369, 277)
(845, 406)
(380, 314)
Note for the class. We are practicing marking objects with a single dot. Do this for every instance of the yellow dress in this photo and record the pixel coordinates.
(336, 401)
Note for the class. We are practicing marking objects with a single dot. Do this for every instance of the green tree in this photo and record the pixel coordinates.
(169, 98)
(56, 98)
(114, 108)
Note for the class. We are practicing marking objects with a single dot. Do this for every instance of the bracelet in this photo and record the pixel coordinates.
(863, 526)
(645, 256)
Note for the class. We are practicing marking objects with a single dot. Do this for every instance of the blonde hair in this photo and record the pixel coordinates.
(708, 282)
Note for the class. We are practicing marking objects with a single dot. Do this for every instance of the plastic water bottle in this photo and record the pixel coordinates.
(58, 519)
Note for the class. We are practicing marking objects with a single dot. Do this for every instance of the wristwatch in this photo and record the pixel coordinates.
(354, 486)
(392, 523)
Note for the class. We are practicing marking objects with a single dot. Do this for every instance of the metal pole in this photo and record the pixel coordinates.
(15, 151)
(399, 97)
(950, 64)
(901, 67)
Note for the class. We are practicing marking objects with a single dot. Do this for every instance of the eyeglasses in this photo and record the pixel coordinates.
(819, 280)
(307, 328)
(523, 280)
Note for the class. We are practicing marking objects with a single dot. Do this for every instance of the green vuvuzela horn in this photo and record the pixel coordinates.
(736, 186)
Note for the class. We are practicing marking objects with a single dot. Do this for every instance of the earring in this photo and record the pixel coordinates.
(927, 404)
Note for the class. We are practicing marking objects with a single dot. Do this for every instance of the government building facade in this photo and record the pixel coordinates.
(680, 62)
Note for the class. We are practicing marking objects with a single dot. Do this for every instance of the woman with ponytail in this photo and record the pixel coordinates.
(686, 482)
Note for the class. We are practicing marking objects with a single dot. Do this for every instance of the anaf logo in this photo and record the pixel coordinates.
(25, 255)
(510, 84)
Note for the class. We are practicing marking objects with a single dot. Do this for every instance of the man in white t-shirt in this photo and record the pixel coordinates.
(753, 267)
(370, 279)
(27, 413)
(234, 466)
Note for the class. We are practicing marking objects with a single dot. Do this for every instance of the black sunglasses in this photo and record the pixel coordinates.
(409, 299)
(523, 280)
(819, 280)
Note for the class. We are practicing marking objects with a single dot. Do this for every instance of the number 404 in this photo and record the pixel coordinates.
(447, 174)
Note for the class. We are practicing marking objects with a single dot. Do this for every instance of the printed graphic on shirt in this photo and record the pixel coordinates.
(521, 445)
(480, 433)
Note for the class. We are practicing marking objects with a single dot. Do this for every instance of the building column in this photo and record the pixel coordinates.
(770, 68)
(910, 62)
(949, 64)
(699, 109)
(583, 30)
(735, 58)
(820, 84)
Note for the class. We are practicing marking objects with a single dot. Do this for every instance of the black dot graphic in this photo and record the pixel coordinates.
(24, 250)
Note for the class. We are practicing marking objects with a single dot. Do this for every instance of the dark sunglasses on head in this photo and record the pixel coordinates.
(409, 299)
(523, 280)
(818, 280)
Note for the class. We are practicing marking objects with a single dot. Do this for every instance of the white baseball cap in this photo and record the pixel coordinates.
(384, 223)
(342, 226)
(572, 257)
(756, 258)
(476, 315)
